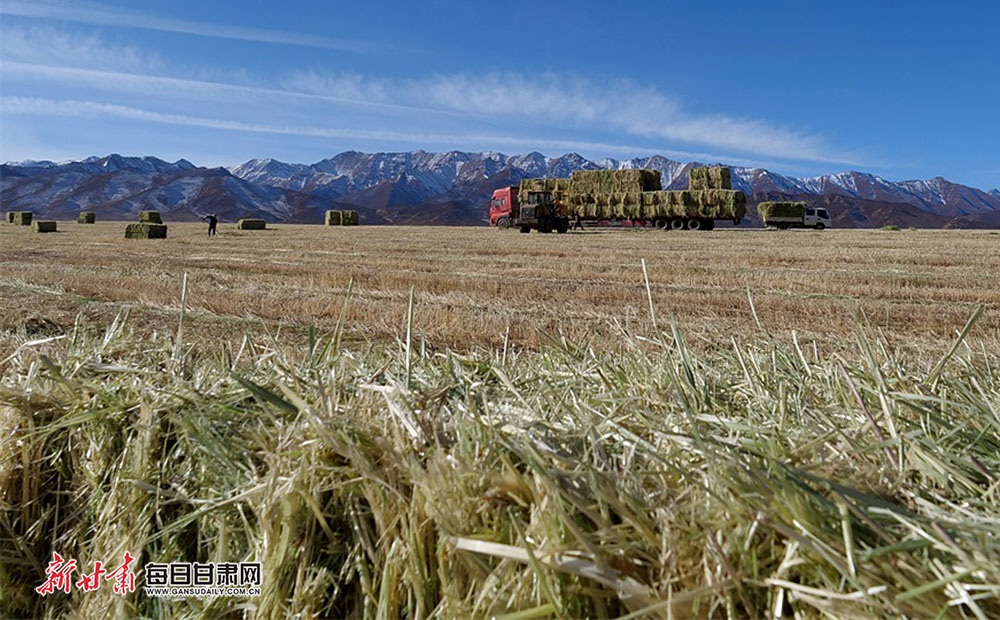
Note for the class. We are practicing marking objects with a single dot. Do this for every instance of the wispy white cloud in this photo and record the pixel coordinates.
(617, 105)
(45, 45)
(91, 109)
(98, 14)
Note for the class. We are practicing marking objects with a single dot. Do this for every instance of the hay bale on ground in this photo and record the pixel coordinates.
(44, 226)
(251, 224)
(10, 217)
(152, 217)
(349, 218)
(146, 230)
(772, 209)
(22, 218)
(86, 217)
(332, 218)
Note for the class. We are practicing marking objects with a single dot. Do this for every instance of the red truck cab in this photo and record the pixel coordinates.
(503, 207)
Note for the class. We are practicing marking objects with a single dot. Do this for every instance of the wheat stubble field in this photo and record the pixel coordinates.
(810, 429)
(471, 285)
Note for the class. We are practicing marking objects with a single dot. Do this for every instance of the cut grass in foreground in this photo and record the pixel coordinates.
(564, 482)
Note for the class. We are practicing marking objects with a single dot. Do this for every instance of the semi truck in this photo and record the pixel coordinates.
(618, 195)
(784, 215)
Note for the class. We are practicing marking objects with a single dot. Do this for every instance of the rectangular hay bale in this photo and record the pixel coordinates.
(44, 226)
(771, 209)
(251, 224)
(10, 217)
(152, 217)
(709, 177)
(332, 218)
(349, 218)
(146, 230)
(23, 218)
(86, 217)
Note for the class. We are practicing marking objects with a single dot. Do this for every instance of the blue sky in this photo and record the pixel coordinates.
(901, 89)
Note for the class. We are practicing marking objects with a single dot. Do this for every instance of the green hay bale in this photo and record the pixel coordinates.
(146, 230)
(633, 180)
(44, 226)
(23, 218)
(715, 177)
(251, 224)
(332, 218)
(151, 217)
(10, 217)
(86, 217)
(771, 209)
(350, 218)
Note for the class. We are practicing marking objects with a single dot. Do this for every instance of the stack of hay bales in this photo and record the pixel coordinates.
(251, 224)
(772, 209)
(345, 217)
(152, 217)
(22, 218)
(709, 178)
(44, 226)
(150, 226)
(86, 217)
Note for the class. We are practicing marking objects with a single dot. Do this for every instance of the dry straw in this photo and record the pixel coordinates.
(647, 481)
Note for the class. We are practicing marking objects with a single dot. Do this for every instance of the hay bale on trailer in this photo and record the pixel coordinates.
(152, 217)
(349, 218)
(22, 218)
(44, 226)
(332, 218)
(146, 230)
(714, 177)
(772, 209)
(86, 217)
(251, 224)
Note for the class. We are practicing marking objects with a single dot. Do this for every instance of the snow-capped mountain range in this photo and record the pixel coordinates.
(419, 187)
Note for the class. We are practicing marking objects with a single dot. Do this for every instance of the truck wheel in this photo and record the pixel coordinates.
(562, 226)
(709, 224)
(677, 224)
(525, 229)
(661, 224)
(820, 226)
(694, 224)
(503, 223)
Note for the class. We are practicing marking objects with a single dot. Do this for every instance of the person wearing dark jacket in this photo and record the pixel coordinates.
(212, 223)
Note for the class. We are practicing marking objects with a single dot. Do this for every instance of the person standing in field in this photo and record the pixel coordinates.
(577, 223)
(212, 223)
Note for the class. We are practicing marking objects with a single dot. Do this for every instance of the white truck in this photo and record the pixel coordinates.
(784, 215)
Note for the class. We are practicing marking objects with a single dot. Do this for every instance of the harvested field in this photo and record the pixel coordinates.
(487, 424)
(471, 285)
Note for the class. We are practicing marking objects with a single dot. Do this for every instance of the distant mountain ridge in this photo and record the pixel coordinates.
(443, 188)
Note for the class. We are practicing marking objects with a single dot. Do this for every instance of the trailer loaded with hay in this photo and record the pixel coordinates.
(784, 215)
(615, 195)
